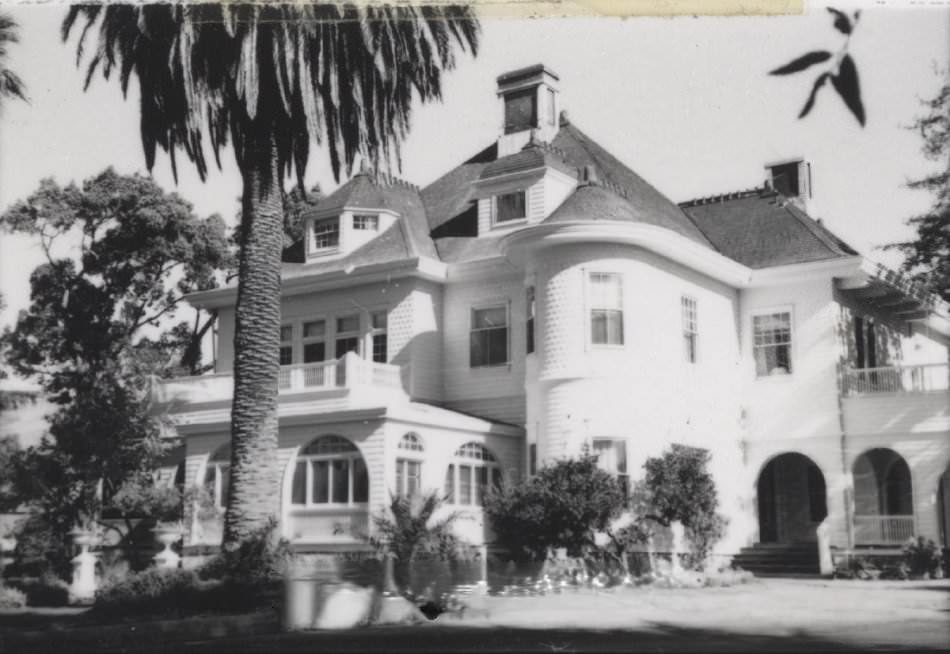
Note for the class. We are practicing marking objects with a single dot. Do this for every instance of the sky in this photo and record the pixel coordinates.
(686, 102)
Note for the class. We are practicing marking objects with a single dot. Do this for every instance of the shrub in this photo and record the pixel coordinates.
(156, 591)
(260, 558)
(11, 598)
(563, 505)
(49, 590)
(921, 556)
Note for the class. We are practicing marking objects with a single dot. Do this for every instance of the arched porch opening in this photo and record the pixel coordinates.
(792, 499)
(883, 498)
(943, 506)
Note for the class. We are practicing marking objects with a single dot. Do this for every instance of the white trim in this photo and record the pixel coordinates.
(801, 272)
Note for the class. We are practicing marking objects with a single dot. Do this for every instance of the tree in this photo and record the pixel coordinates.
(270, 78)
(84, 336)
(563, 505)
(677, 487)
(11, 86)
(927, 256)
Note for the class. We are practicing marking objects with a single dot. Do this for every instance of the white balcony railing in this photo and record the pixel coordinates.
(897, 379)
(883, 529)
(348, 371)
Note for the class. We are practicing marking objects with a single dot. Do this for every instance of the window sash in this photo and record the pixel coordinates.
(488, 340)
(366, 222)
(772, 343)
(529, 323)
(330, 481)
(326, 234)
(511, 206)
(611, 454)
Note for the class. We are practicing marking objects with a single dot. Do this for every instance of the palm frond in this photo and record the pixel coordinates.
(345, 76)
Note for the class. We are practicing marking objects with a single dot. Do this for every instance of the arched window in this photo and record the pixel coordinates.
(330, 470)
(218, 475)
(466, 479)
(409, 465)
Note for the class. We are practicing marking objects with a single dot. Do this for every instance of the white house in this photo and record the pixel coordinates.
(542, 296)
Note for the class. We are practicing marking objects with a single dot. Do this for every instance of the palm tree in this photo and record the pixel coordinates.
(270, 78)
(11, 86)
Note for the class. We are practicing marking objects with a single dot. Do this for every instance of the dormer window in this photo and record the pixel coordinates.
(521, 110)
(326, 234)
(366, 222)
(510, 207)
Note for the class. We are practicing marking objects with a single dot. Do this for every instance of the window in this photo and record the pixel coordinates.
(466, 480)
(314, 337)
(286, 345)
(772, 343)
(785, 179)
(529, 323)
(865, 342)
(326, 234)
(690, 331)
(347, 335)
(369, 223)
(606, 309)
(510, 206)
(489, 337)
(532, 458)
(330, 471)
(378, 329)
(218, 475)
(521, 111)
(611, 456)
(409, 465)
(552, 107)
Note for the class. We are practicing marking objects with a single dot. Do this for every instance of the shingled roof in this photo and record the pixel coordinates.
(407, 238)
(761, 228)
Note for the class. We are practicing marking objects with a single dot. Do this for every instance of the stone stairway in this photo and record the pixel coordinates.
(779, 559)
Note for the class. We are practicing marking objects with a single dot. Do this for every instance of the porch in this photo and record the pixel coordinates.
(927, 378)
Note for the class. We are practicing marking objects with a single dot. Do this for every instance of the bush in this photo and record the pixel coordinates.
(260, 559)
(11, 598)
(563, 505)
(921, 556)
(50, 591)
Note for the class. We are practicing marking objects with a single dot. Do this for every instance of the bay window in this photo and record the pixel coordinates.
(330, 471)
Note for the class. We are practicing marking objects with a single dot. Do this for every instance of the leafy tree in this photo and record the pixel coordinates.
(84, 336)
(11, 86)
(842, 73)
(927, 256)
(409, 529)
(677, 487)
(270, 78)
(563, 505)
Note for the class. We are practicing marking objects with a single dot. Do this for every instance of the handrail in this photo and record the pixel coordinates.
(921, 378)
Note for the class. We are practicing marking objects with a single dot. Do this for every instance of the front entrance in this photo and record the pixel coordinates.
(791, 499)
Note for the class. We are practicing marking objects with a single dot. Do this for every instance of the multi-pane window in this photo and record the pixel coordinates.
(347, 335)
(529, 322)
(606, 309)
(330, 471)
(286, 345)
(378, 333)
(489, 337)
(366, 222)
(772, 343)
(521, 110)
(218, 475)
(467, 478)
(314, 341)
(510, 206)
(326, 234)
(409, 465)
(611, 456)
(690, 328)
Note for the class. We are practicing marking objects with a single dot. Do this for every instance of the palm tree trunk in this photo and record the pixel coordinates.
(254, 494)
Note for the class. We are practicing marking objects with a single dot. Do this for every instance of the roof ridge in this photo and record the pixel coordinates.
(760, 191)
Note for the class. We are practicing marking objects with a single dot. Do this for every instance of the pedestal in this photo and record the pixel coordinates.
(83, 588)
(167, 558)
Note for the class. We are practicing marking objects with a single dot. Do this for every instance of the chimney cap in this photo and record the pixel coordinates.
(525, 73)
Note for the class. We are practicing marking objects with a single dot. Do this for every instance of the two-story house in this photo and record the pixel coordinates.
(540, 297)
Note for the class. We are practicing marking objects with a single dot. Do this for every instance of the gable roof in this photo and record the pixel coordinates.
(761, 228)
